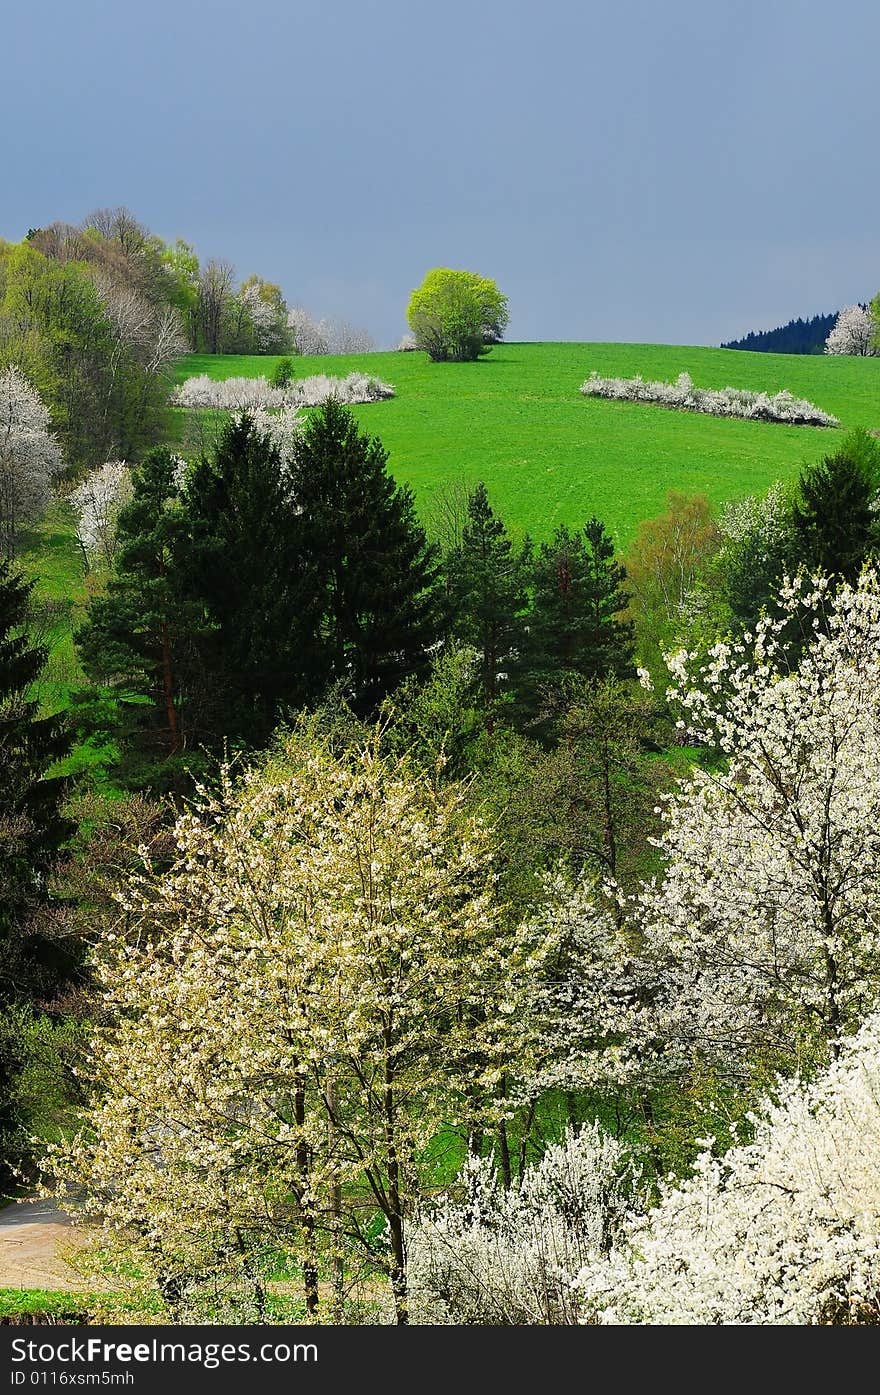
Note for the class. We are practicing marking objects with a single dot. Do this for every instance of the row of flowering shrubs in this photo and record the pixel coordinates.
(230, 394)
(783, 1229)
(716, 402)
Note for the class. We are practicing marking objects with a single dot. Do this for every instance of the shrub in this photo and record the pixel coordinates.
(282, 374)
(508, 1258)
(716, 402)
(233, 394)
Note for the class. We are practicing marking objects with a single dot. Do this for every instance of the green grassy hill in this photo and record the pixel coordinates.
(548, 455)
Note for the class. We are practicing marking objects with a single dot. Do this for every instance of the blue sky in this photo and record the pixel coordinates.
(676, 171)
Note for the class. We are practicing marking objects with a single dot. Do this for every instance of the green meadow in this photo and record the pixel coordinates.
(517, 420)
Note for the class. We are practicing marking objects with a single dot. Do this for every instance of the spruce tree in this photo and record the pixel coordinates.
(257, 590)
(488, 589)
(578, 602)
(33, 964)
(834, 523)
(138, 639)
(375, 574)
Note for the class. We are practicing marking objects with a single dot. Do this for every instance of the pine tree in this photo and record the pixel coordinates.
(369, 558)
(834, 523)
(579, 597)
(488, 588)
(259, 593)
(138, 638)
(33, 964)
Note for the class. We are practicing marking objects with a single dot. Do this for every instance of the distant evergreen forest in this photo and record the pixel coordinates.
(797, 337)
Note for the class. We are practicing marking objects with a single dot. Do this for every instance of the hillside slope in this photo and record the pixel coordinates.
(517, 420)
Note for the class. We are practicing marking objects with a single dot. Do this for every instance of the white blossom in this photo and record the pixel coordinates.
(784, 1229)
(263, 315)
(723, 402)
(764, 930)
(228, 394)
(29, 456)
(283, 429)
(327, 336)
(854, 332)
(761, 519)
(487, 1255)
(96, 503)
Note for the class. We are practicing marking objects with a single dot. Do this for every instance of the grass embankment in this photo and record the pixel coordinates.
(517, 421)
(548, 455)
(53, 559)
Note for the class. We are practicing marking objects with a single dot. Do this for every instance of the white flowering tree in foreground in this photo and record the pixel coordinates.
(96, 503)
(319, 984)
(764, 932)
(784, 1229)
(854, 332)
(29, 457)
(509, 1256)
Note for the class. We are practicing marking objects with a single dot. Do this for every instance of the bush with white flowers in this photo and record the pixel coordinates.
(784, 1229)
(716, 402)
(510, 1257)
(96, 503)
(854, 333)
(231, 394)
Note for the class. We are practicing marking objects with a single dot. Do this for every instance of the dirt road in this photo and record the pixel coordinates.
(31, 1234)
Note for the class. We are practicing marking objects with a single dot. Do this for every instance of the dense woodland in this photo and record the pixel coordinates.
(796, 337)
(453, 899)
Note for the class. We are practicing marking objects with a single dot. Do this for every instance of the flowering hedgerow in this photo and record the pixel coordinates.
(240, 393)
(784, 1229)
(715, 402)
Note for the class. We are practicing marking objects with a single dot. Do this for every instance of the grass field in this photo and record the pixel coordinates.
(548, 455)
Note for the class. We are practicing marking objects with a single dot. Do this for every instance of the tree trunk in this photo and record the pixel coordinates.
(168, 692)
(504, 1142)
(395, 1213)
(310, 1268)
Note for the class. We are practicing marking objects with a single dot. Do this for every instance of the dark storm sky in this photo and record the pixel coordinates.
(678, 171)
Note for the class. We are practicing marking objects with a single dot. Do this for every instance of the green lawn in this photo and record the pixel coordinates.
(548, 455)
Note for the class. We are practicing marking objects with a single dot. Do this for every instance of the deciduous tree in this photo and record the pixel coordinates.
(854, 332)
(322, 982)
(457, 315)
(29, 457)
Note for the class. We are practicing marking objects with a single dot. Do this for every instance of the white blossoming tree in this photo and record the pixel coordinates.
(510, 1256)
(764, 931)
(784, 1229)
(319, 984)
(96, 503)
(854, 332)
(29, 457)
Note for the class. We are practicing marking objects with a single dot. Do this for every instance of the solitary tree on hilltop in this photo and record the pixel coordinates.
(456, 315)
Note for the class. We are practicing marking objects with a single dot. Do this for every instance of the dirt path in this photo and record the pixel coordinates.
(31, 1234)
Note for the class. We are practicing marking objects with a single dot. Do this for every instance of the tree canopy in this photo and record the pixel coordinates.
(457, 315)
